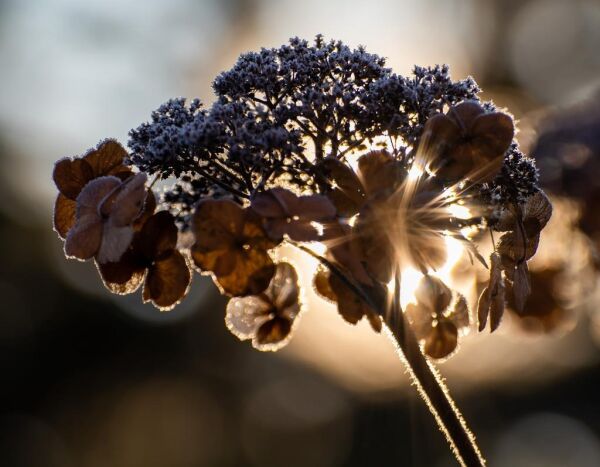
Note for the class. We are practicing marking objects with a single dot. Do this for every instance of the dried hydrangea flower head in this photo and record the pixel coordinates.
(311, 144)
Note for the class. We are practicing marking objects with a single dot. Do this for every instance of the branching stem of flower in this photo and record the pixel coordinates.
(424, 375)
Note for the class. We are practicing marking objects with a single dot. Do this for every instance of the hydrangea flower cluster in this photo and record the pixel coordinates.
(312, 143)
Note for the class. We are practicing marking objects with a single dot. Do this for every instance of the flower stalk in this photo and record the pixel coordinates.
(424, 374)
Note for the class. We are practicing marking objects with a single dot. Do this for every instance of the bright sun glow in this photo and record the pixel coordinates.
(411, 276)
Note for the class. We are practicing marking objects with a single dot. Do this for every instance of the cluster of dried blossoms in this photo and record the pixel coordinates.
(311, 144)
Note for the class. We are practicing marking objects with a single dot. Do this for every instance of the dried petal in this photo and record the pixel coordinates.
(379, 172)
(114, 242)
(347, 251)
(158, 236)
(433, 294)
(442, 340)
(460, 314)
(64, 215)
(70, 176)
(420, 319)
(107, 158)
(267, 318)
(347, 193)
(322, 285)
(521, 286)
(285, 213)
(491, 301)
(232, 244)
(272, 335)
(125, 204)
(167, 281)
(84, 239)
(122, 277)
(483, 308)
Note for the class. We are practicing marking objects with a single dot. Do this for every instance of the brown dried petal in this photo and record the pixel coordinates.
(283, 289)
(483, 308)
(379, 172)
(70, 176)
(377, 251)
(538, 207)
(272, 334)
(420, 319)
(465, 114)
(217, 224)
(347, 251)
(122, 277)
(348, 194)
(147, 211)
(84, 239)
(167, 281)
(350, 306)
(491, 301)
(250, 274)
(158, 236)
(440, 133)
(107, 158)
(115, 242)
(442, 340)
(497, 308)
(125, 204)
(460, 313)
(521, 286)
(433, 294)
(517, 247)
(322, 285)
(64, 215)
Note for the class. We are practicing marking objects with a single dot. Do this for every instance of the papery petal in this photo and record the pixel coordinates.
(442, 340)
(123, 277)
(483, 308)
(347, 250)
(107, 158)
(129, 201)
(420, 319)
(347, 193)
(538, 208)
(521, 286)
(267, 205)
(497, 307)
(167, 281)
(272, 335)
(379, 171)
(465, 114)
(64, 215)
(92, 195)
(216, 223)
(315, 208)
(302, 231)
(460, 313)
(71, 175)
(251, 277)
(322, 285)
(283, 289)
(115, 241)
(158, 236)
(147, 210)
(245, 314)
(433, 294)
(84, 238)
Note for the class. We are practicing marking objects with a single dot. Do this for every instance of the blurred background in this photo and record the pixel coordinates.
(90, 379)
